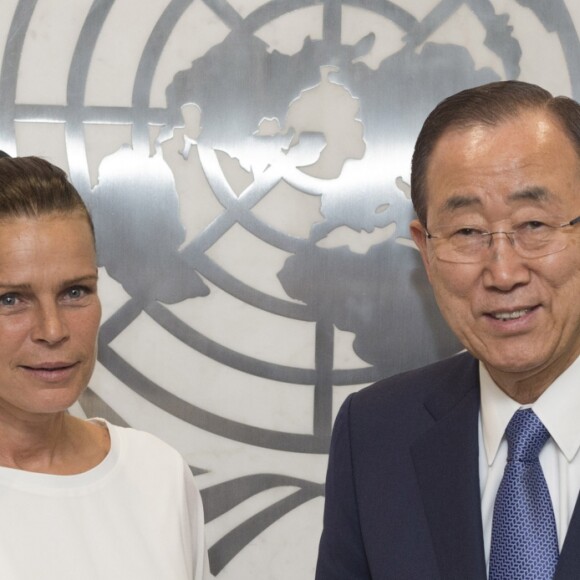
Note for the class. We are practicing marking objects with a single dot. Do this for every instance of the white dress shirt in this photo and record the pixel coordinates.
(559, 410)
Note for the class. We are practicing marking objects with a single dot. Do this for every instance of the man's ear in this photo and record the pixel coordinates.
(420, 239)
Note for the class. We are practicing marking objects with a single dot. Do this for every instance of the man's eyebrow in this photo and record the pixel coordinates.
(536, 193)
(459, 201)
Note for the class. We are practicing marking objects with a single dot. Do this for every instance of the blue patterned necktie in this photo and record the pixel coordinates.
(524, 542)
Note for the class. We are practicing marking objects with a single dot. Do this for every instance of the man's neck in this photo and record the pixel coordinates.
(527, 386)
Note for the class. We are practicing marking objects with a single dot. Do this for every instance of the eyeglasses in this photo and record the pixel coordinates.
(468, 244)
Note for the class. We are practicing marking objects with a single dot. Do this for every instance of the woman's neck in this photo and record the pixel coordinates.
(57, 444)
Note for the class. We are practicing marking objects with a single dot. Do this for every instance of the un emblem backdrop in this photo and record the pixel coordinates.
(247, 166)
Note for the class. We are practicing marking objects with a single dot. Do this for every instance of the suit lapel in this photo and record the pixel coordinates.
(447, 468)
(569, 561)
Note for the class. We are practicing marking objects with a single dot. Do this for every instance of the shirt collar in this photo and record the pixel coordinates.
(558, 408)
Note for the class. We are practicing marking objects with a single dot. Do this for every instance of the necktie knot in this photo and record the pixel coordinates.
(526, 435)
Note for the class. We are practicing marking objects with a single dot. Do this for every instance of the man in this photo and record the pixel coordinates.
(419, 486)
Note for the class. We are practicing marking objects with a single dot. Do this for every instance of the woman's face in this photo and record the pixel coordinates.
(49, 313)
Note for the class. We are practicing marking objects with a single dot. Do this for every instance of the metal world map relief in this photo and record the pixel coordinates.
(247, 169)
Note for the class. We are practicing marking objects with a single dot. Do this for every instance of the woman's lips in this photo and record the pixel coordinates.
(50, 371)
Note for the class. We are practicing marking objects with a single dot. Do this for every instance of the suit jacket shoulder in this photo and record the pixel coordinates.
(440, 385)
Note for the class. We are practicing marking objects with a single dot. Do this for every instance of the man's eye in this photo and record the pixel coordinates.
(532, 225)
(466, 232)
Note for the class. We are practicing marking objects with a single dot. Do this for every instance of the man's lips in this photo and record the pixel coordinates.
(511, 313)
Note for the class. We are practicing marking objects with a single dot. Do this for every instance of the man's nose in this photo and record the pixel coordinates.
(504, 268)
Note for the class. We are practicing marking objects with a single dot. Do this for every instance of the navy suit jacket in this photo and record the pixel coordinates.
(402, 490)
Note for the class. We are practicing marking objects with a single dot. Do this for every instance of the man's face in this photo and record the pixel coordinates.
(520, 316)
(49, 313)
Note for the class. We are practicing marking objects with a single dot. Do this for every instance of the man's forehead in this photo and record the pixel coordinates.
(530, 158)
(544, 122)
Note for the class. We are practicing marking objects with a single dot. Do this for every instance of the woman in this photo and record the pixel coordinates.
(79, 499)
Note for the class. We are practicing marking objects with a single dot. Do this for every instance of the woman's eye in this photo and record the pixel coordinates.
(76, 292)
(8, 300)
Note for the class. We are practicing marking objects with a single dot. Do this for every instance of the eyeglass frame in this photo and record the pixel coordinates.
(509, 235)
